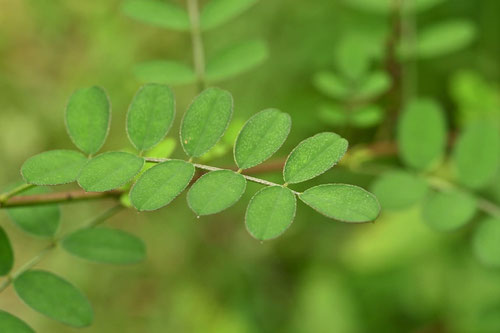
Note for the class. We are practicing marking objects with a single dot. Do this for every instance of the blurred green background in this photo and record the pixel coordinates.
(208, 274)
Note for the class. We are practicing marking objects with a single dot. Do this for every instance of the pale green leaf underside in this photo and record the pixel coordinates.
(444, 38)
(54, 297)
(261, 136)
(205, 121)
(342, 202)
(215, 192)
(270, 212)
(165, 71)
(422, 134)
(486, 242)
(446, 211)
(53, 167)
(11, 324)
(314, 156)
(331, 85)
(399, 189)
(150, 115)
(109, 171)
(217, 12)
(41, 221)
(236, 59)
(105, 245)
(161, 184)
(88, 114)
(6, 255)
(163, 14)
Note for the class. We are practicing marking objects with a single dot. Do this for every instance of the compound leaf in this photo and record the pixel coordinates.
(54, 297)
(108, 171)
(446, 211)
(12, 324)
(216, 191)
(331, 85)
(422, 134)
(367, 116)
(88, 115)
(476, 154)
(399, 189)
(314, 156)
(150, 115)
(270, 212)
(105, 245)
(486, 242)
(236, 59)
(53, 167)
(217, 12)
(6, 254)
(261, 136)
(165, 71)
(161, 184)
(205, 121)
(346, 203)
(158, 13)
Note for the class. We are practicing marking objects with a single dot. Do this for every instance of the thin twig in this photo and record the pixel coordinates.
(58, 197)
(197, 42)
(21, 188)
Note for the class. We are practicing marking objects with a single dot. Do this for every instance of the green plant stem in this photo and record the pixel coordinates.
(6, 196)
(197, 42)
(54, 244)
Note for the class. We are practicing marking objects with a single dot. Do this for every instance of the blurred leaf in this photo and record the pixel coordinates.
(150, 115)
(446, 211)
(88, 115)
(399, 189)
(373, 85)
(333, 115)
(54, 297)
(388, 6)
(217, 12)
(6, 256)
(476, 154)
(165, 71)
(109, 170)
(263, 134)
(216, 191)
(205, 121)
(486, 242)
(161, 184)
(53, 167)
(367, 116)
(11, 324)
(41, 221)
(105, 245)
(422, 134)
(331, 85)
(314, 156)
(346, 203)
(352, 56)
(162, 150)
(236, 59)
(270, 212)
(158, 13)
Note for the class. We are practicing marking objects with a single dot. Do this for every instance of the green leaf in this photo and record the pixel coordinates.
(346, 203)
(161, 184)
(150, 115)
(41, 221)
(205, 121)
(11, 324)
(352, 56)
(165, 71)
(158, 13)
(367, 116)
(6, 254)
(54, 297)
(261, 136)
(270, 212)
(399, 189)
(387, 6)
(333, 115)
(444, 38)
(486, 242)
(88, 115)
(476, 154)
(446, 211)
(162, 150)
(331, 85)
(217, 12)
(374, 85)
(105, 245)
(216, 191)
(422, 134)
(109, 171)
(314, 156)
(236, 59)
(53, 167)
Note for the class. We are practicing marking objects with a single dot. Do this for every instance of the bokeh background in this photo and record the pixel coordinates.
(209, 274)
